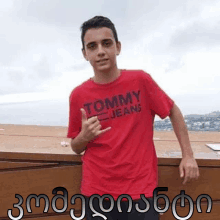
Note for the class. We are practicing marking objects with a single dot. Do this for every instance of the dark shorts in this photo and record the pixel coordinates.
(114, 214)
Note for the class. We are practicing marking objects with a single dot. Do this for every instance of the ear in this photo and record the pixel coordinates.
(118, 47)
(84, 54)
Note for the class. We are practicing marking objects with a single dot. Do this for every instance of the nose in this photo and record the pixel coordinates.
(100, 50)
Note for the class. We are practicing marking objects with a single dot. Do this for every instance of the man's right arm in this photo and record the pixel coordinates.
(90, 130)
(78, 144)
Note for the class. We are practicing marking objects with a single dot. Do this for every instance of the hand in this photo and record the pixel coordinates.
(91, 127)
(188, 168)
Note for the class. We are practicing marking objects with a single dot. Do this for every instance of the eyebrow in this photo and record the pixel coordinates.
(92, 42)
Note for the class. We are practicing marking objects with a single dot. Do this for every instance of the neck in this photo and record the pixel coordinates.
(108, 76)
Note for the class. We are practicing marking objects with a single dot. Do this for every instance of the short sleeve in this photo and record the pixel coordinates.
(160, 103)
(74, 115)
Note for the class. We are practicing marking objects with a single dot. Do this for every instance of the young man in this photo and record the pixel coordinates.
(111, 119)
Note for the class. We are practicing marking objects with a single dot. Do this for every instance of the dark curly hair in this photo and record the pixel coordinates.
(97, 22)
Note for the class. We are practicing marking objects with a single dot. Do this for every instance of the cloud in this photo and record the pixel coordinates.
(174, 64)
(64, 13)
(42, 70)
(131, 18)
(16, 103)
(16, 76)
(195, 36)
(13, 81)
(41, 51)
(194, 103)
(11, 46)
(44, 112)
(30, 79)
(78, 66)
(150, 32)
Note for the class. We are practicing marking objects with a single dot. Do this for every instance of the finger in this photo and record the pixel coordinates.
(104, 130)
(97, 128)
(181, 171)
(189, 170)
(191, 173)
(185, 179)
(187, 175)
(95, 125)
(198, 174)
(84, 117)
(93, 119)
(194, 173)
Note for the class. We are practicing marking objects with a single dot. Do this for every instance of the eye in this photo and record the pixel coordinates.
(91, 46)
(107, 43)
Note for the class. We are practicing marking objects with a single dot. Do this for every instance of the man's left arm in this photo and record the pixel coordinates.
(188, 167)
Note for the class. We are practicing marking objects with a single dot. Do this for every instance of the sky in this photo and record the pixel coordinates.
(176, 42)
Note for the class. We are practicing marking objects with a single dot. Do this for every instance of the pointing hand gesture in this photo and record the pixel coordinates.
(91, 127)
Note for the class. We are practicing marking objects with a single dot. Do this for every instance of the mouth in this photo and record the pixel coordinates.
(102, 60)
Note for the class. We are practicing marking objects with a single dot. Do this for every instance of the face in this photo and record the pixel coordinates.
(101, 49)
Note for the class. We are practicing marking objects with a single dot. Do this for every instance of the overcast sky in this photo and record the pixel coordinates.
(177, 42)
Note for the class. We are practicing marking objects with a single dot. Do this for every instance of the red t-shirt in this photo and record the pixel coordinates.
(123, 160)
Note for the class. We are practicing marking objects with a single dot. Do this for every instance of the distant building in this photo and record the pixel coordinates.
(194, 122)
